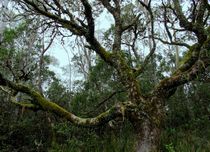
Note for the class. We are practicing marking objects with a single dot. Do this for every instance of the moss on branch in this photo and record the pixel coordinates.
(168, 84)
(26, 105)
(190, 58)
(44, 104)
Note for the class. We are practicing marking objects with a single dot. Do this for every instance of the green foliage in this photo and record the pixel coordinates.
(20, 129)
(10, 35)
(187, 139)
(102, 82)
(59, 94)
(24, 132)
(170, 147)
(187, 126)
(92, 139)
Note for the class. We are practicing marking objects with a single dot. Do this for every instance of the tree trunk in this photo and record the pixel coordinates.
(148, 126)
(148, 138)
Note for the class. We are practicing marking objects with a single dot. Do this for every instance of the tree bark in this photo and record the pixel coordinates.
(148, 126)
(148, 138)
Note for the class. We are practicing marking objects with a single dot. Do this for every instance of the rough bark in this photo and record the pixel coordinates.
(147, 123)
(148, 138)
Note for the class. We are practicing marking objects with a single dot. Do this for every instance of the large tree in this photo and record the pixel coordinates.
(142, 21)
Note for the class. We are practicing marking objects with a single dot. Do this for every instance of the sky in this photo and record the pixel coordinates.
(63, 53)
(60, 52)
(2, 9)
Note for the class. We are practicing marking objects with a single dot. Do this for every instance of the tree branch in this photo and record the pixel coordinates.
(116, 111)
(164, 88)
(108, 98)
(152, 50)
(116, 13)
(173, 43)
(69, 24)
(21, 104)
(207, 4)
(133, 22)
(182, 19)
(76, 29)
(197, 28)
(107, 5)
(26, 105)
(190, 70)
(89, 17)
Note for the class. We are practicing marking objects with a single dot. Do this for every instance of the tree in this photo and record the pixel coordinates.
(145, 110)
(19, 57)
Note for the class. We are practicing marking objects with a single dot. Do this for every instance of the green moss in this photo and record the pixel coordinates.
(25, 104)
(106, 55)
(189, 58)
(208, 31)
(191, 52)
(205, 52)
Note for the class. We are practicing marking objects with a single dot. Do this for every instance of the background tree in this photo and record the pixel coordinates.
(19, 57)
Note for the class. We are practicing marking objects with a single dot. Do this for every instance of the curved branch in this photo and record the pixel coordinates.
(173, 43)
(169, 84)
(69, 24)
(197, 63)
(116, 111)
(131, 24)
(76, 29)
(197, 28)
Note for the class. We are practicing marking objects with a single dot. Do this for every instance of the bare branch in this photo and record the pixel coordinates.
(116, 12)
(133, 22)
(148, 57)
(65, 11)
(89, 17)
(207, 4)
(69, 24)
(173, 43)
(76, 29)
(53, 35)
(109, 97)
(107, 5)
(165, 22)
(104, 101)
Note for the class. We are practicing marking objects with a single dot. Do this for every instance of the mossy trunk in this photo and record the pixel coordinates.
(148, 138)
(148, 127)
